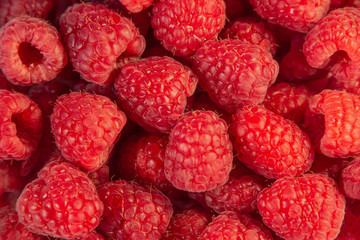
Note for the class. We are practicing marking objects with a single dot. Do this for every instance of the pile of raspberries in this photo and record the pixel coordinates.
(179, 119)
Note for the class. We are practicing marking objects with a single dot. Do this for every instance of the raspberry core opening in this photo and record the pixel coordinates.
(29, 54)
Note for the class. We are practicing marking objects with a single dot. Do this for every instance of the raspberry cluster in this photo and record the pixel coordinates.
(179, 119)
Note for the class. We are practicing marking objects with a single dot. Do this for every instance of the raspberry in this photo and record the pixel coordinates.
(136, 6)
(86, 127)
(340, 114)
(233, 225)
(350, 180)
(95, 45)
(309, 207)
(199, 154)
(61, 202)
(15, 8)
(234, 73)
(20, 126)
(299, 16)
(187, 225)
(350, 228)
(183, 26)
(31, 51)
(288, 100)
(134, 212)
(153, 92)
(253, 32)
(92, 236)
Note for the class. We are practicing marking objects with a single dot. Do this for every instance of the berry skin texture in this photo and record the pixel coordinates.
(134, 212)
(341, 121)
(62, 202)
(233, 225)
(350, 179)
(136, 6)
(21, 124)
(183, 26)
(96, 36)
(31, 51)
(269, 144)
(309, 207)
(86, 127)
(234, 73)
(199, 154)
(299, 16)
(153, 92)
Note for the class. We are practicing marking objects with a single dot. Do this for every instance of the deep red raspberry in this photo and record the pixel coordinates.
(187, 225)
(350, 228)
(233, 225)
(86, 127)
(15, 8)
(95, 45)
(269, 144)
(309, 207)
(183, 26)
(134, 212)
(92, 236)
(299, 16)
(234, 73)
(61, 202)
(341, 122)
(153, 92)
(199, 154)
(31, 51)
(253, 32)
(239, 193)
(288, 100)
(11, 179)
(350, 179)
(136, 5)
(20, 125)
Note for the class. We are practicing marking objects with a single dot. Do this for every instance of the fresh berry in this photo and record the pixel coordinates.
(134, 212)
(234, 73)
(15, 8)
(288, 100)
(187, 225)
(299, 16)
(233, 225)
(31, 51)
(269, 144)
(350, 179)
(96, 37)
(86, 127)
(183, 26)
(20, 125)
(153, 92)
(136, 6)
(341, 127)
(308, 207)
(253, 32)
(92, 236)
(61, 202)
(199, 154)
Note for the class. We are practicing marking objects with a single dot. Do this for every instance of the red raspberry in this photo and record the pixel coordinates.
(11, 179)
(350, 228)
(309, 207)
(86, 126)
(239, 193)
(234, 73)
(94, 45)
(183, 26)
(299, 16)
(233, 225)
(136, 5)
(342, 127)
(92, 236)
(269, 144)
(15, 8)
(153, 92)
(187, 225)
(134, 212)
(199, 154)
(253, 32)
(61, 202)
(350, 179)
(20, 125)
(288, 100)
(31, 51)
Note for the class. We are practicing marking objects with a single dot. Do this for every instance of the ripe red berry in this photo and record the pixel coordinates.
(136, 5)
(350, 179)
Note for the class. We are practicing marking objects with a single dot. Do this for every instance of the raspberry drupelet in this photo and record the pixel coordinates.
(31, 51)
(136, 6)
(86, 127)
